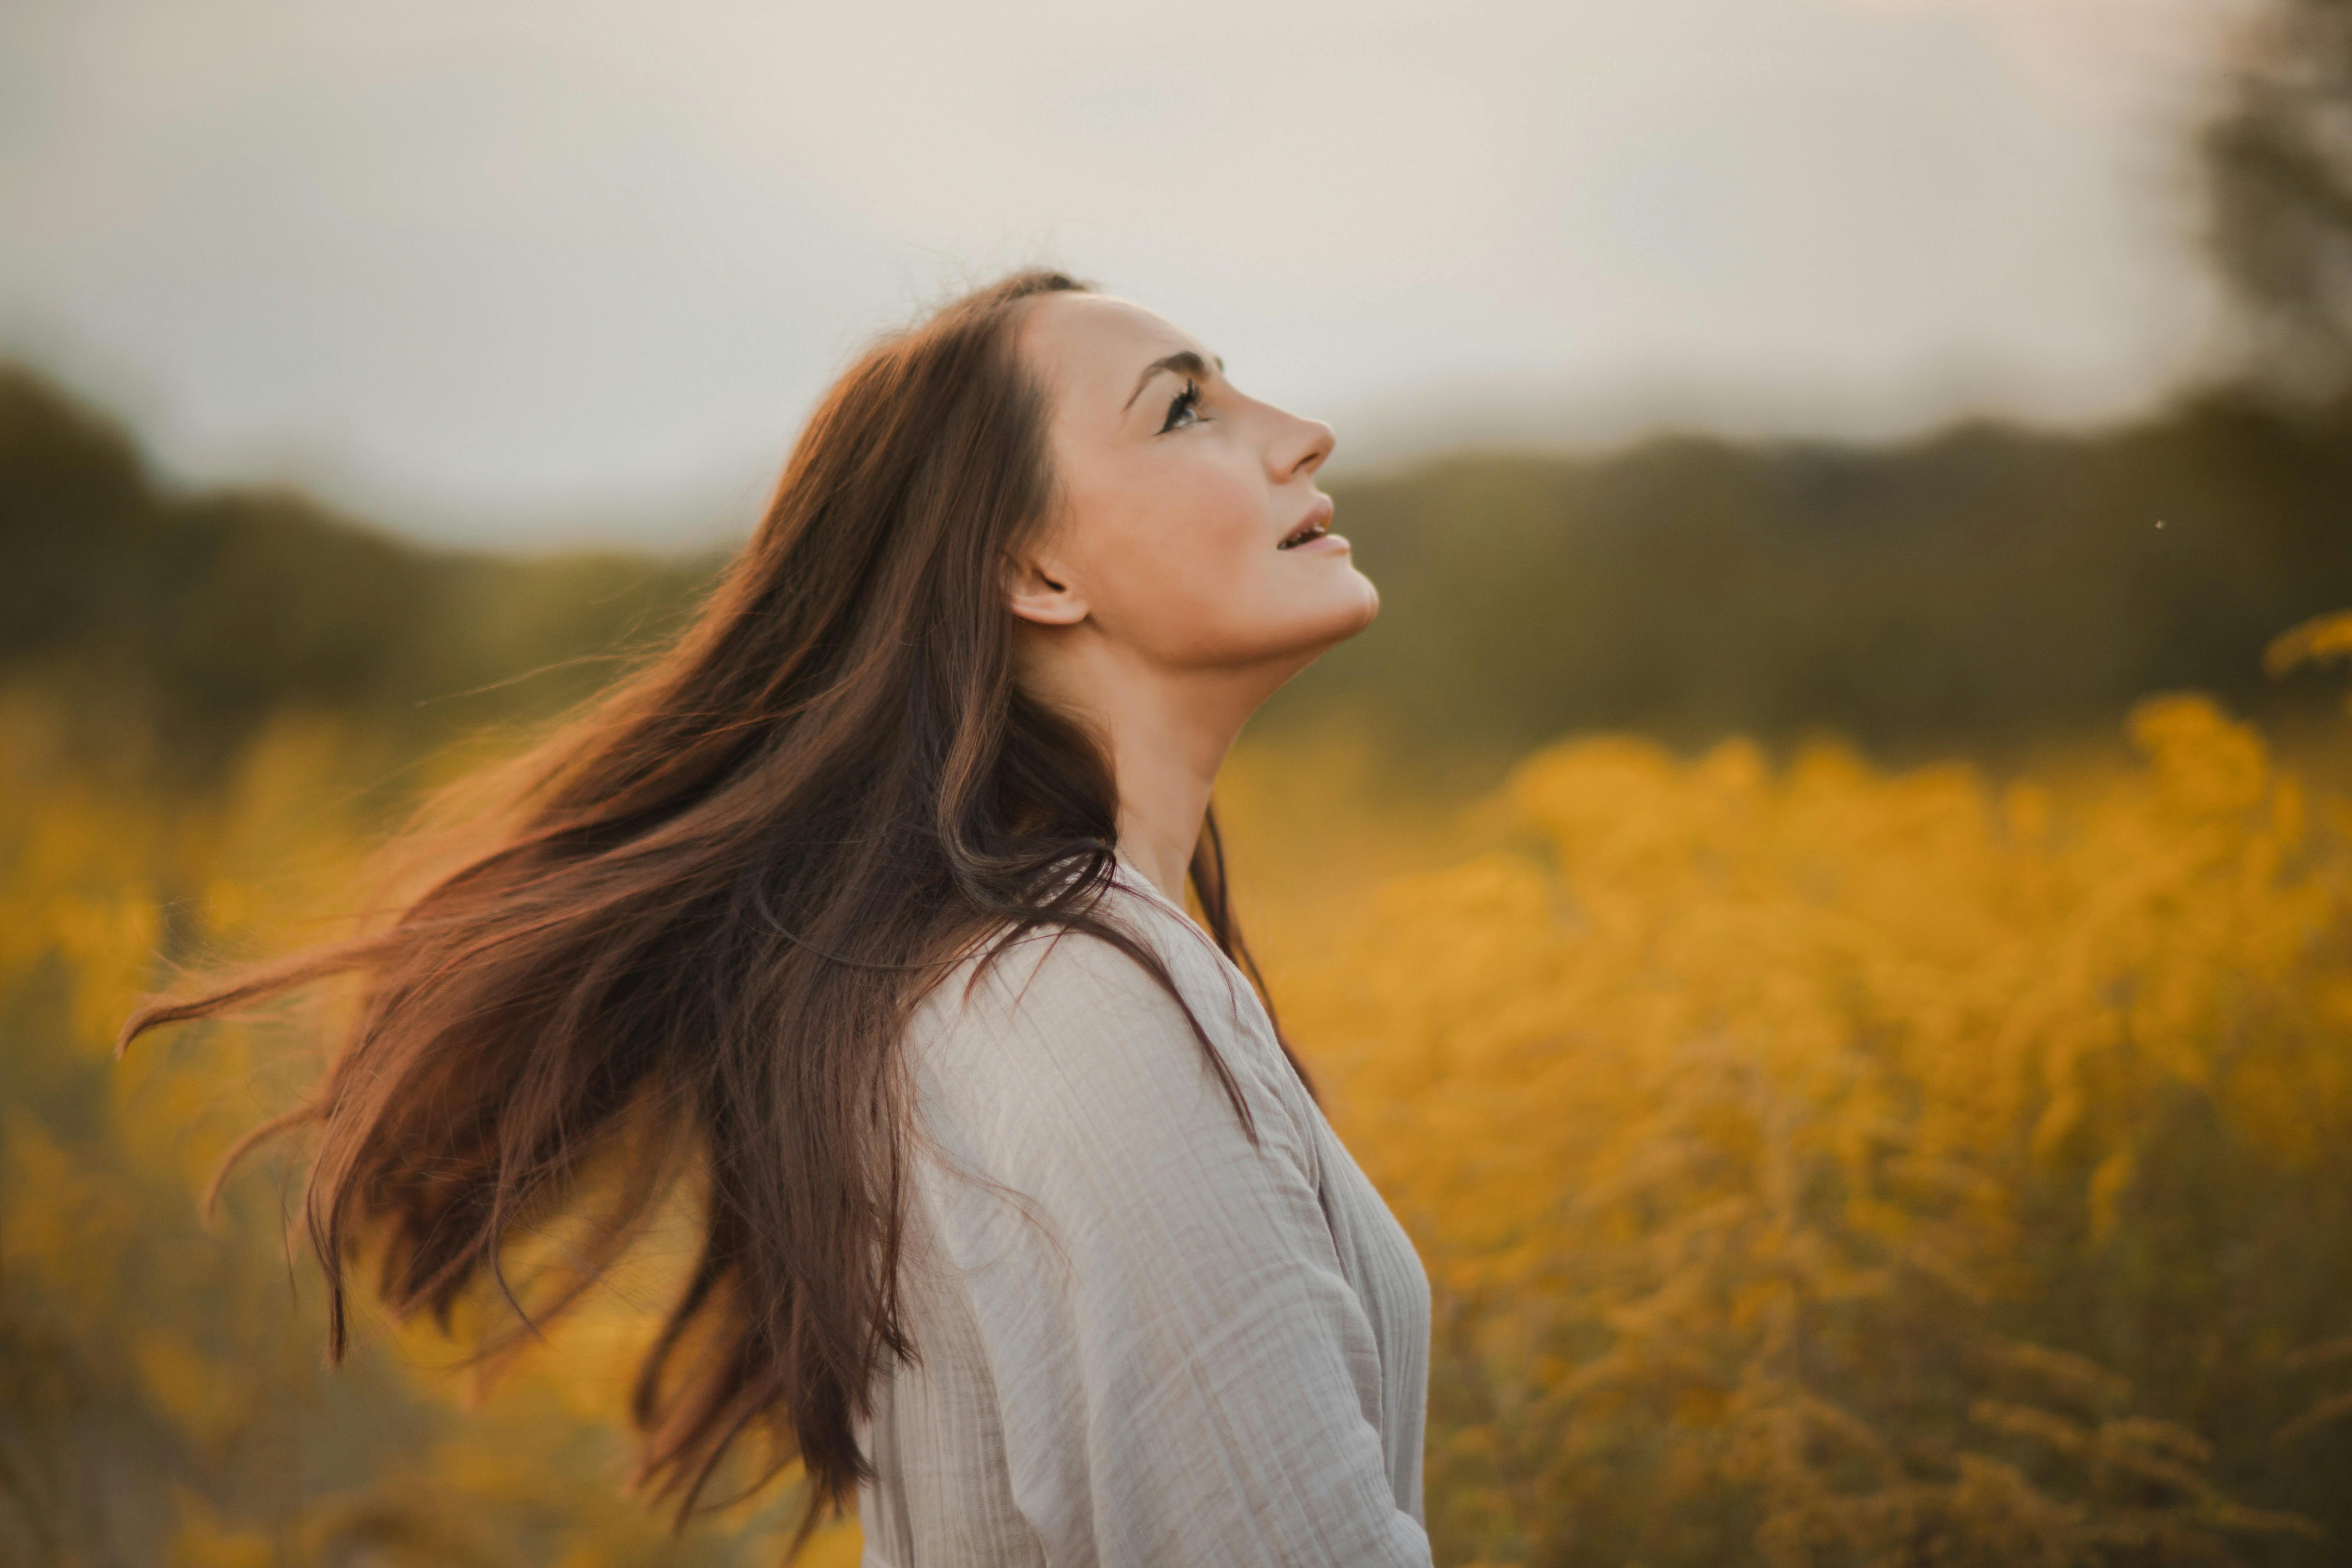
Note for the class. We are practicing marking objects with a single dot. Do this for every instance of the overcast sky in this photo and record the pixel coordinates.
(516, 271)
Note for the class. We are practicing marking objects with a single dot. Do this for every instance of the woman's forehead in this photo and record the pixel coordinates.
(1096, 345)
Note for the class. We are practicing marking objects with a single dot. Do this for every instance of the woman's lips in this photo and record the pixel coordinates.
(1319, 516)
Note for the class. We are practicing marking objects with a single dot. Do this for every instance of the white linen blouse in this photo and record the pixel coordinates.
(1142, 1339)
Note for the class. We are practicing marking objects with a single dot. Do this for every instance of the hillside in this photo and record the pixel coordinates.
(1983, 587)
(204, 613)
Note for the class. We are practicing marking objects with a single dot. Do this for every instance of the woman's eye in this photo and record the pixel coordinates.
(1183, 409)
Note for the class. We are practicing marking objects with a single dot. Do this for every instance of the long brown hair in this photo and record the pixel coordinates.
(708, 908)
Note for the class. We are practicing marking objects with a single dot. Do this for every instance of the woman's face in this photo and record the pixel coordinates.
(1176, 492)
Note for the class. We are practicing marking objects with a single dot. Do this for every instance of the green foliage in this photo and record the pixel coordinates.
(2278, 169)
(1984, 589)
(205, 615)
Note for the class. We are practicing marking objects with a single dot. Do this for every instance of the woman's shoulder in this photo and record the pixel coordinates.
(1051, 969)
(1059, 1015)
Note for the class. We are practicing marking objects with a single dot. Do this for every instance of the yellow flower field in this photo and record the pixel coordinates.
(1814, 1164)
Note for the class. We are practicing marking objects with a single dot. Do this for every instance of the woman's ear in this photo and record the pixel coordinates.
(1038, 591)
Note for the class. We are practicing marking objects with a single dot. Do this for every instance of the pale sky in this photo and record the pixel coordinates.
(508, 272)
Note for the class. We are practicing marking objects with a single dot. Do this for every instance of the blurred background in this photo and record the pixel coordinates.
(1824, 900)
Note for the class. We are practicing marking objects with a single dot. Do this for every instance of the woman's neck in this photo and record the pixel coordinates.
(1168, 729)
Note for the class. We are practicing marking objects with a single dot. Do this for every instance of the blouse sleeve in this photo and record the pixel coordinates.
(1183, 1372)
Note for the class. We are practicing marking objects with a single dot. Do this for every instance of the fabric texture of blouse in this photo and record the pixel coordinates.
(1140, 1339)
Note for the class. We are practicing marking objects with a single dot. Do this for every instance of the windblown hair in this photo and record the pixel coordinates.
(706, 912)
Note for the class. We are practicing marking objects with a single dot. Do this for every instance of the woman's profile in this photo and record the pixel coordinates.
(861, 911)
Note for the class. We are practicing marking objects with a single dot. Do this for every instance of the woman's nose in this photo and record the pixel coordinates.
(1304, 448)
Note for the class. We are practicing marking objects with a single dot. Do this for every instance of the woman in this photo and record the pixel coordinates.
(863, 906)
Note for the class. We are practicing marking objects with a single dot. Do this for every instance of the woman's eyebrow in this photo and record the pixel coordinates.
(1185, 360)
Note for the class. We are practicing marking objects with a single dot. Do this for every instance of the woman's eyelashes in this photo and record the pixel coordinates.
(1186, 402)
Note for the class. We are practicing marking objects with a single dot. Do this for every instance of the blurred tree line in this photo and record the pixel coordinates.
(1978, 589)
(2278, 163)
(200, 614)
(1984, 586)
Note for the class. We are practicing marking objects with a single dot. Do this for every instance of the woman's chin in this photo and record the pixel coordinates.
(1340, 614)
(1364, 604)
